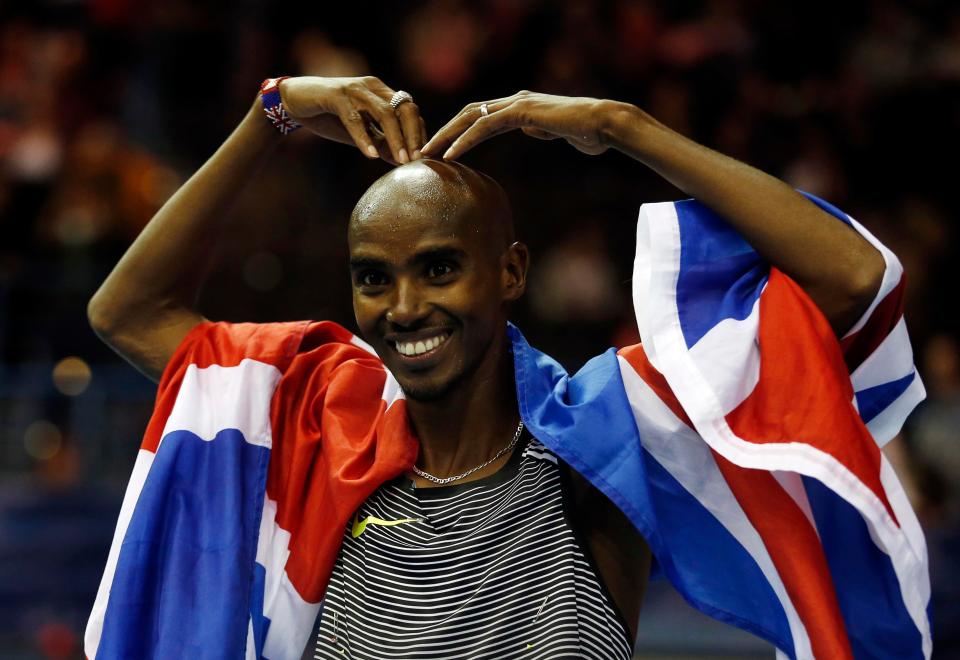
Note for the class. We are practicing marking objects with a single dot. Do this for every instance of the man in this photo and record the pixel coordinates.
(434, 267)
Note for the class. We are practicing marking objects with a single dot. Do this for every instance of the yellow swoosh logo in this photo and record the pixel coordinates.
(360, 525)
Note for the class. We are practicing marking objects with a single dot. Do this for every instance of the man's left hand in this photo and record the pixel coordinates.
(578, 120)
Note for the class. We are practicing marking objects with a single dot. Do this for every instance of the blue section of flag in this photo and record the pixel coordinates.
(587, 421)
(194, 531)
(709, 567)
(868, 592)
(258, 621)
(874, 400)
(720, 276)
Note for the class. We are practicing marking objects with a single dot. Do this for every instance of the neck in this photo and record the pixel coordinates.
(473, 421)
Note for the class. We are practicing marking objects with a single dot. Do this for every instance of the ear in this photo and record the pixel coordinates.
(513, 271)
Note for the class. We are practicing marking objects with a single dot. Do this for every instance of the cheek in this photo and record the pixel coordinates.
(366, 314)
(479, 305)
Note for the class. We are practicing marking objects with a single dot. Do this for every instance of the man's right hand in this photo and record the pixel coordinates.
(146, 306)
(356, 111)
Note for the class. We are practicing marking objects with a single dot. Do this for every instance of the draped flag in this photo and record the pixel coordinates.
(741, 438)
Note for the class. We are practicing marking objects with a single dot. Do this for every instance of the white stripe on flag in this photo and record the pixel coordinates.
(251, 651)
(913, 578)
(729, 357)
(641, 276)
(216, 398)
(885, 426)
(94, 630)
(890, 361)
(391, 390)
(291, 622)
(792, 484)
(291, 617)
(356, 341)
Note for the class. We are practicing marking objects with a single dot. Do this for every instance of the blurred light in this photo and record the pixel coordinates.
(71, 376)
(58, 640)
(35, 155)
(263, 271)
(42, 439)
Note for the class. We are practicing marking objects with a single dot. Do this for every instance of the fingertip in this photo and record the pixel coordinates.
(448, 154)
(403, 158)
(372, 151)
(417, 154)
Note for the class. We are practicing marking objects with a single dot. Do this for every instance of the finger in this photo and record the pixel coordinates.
(423, 137)
(385, 153)
(409, 115)
(496, 123)
(450, 131)
(380, 142)
(463, 120)
(385, 116)
(353, 122)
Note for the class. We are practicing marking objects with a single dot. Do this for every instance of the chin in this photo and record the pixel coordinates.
(426, 391)
(438, 381)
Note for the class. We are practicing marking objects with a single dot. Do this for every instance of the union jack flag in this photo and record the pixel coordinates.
(278, 116)
(741, 438)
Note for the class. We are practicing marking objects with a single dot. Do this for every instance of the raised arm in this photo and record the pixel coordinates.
(146, 306)
(837, 268)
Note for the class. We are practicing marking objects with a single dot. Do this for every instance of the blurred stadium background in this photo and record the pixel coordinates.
(107, 105)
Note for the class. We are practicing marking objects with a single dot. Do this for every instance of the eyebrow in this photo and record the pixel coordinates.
(425, 256)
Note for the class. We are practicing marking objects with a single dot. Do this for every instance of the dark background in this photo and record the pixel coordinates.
(107, 106)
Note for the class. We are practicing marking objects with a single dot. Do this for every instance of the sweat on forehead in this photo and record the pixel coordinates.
(449, 194)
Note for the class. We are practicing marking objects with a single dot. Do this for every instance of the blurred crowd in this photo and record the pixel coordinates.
(106, 106)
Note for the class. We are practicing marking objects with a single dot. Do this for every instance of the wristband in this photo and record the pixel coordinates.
(273, 106)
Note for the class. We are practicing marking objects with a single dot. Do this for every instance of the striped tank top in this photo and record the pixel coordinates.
(487, 569)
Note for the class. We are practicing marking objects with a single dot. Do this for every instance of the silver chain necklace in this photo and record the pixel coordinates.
(446, 480)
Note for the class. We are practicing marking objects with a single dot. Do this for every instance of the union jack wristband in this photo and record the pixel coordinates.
(273, 106)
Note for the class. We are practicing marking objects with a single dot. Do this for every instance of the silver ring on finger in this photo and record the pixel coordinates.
(398, 98)
(484, 110)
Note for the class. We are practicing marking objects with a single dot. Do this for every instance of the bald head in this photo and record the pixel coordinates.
(452, 196)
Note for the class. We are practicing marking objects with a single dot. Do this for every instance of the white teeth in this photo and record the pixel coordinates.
(420, 347)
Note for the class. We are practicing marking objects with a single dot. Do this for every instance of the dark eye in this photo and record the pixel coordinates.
(440, 270)
(371, 278)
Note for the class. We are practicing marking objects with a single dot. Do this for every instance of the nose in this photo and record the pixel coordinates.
(407, 307)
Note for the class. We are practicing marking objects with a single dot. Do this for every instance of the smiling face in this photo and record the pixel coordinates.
(433, 265)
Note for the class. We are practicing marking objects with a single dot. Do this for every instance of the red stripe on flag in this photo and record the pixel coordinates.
(858, 346)
(804, 394)
(162, 407)
(335, 443)
(795, 549)
(637, 358)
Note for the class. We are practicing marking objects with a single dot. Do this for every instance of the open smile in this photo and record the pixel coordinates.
(420, 347)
